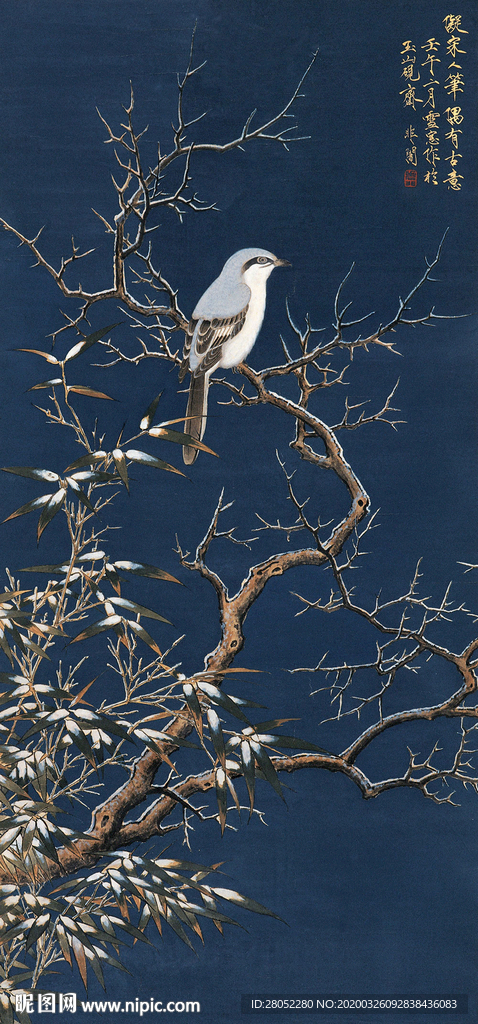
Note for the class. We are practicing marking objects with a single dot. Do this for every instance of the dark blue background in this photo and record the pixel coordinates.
(378, 897)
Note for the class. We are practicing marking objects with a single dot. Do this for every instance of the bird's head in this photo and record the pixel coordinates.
(252, 266)
(244, 273)
(258, 264)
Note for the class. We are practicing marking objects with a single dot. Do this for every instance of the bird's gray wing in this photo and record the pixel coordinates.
(183, 369)
(206, 338)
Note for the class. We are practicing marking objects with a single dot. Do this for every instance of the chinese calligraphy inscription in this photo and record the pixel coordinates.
(429, 84)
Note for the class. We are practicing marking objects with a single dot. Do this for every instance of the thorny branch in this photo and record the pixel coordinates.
(144, 805)
(405, 647)
(140, 194)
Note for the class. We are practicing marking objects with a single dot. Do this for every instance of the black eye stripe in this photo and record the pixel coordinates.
(261, 260)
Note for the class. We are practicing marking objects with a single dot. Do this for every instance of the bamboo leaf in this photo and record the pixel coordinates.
(211, 905)
(9, 679)
(173, 864)
(80, 958)
(221, 796)
(138, 609)
(121, 467)
(111, 960)
(217, 737)
(45, 355)
(103, 722)
(124, 882)
(150, 411)
(5, 648)
(150, 460)
(12, 786)
(27, 837)
(59, 567)
(273, 723)
(266, 766)
(233, 794)
(37, 929)
(86, 460)
(32, 474)
(17, 930)
(194, 706)
(87, 342)
(249, 771)
(42, 629)
(113, 577)
(50, 510)
(93, 476)
(203, 911)
(62, 939)
(244, 901)
(293, 742)
(95, 964)
(140, 569)
(80, 740)
(46, 384)
(145, 917)
(131, 930)
(46, 840)
(170, 423)
(224, 671)
(79, 696)
(80, 494)
(81, 389)
(6, 1008)
(8, 594)
(226, 702)
(44, 719)
(35, 648)
(177, 437)
(144, 635)
(9, 837)
(177, 927)
(156, 736)
(42, 787)
(97, 627)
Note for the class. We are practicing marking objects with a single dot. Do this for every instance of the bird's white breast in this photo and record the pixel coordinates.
(238, 348)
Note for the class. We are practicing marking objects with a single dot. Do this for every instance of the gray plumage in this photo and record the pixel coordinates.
(223, 328)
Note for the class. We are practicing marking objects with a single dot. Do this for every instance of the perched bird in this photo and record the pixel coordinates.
(223, 329)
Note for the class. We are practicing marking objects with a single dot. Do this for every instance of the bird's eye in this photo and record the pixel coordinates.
(263, 259)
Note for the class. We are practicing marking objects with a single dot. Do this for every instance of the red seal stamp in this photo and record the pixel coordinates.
(410, 178)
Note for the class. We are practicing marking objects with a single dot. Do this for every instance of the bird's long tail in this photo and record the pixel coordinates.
(197, 410)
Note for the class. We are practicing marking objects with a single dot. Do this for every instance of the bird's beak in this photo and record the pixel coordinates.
(282, 263)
